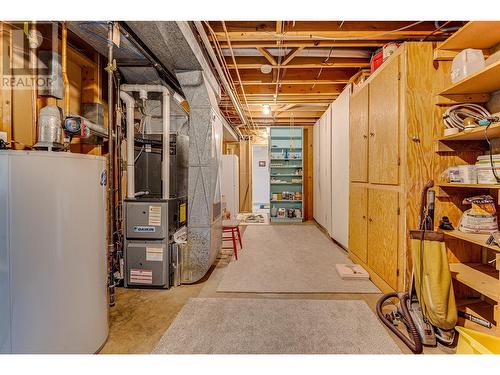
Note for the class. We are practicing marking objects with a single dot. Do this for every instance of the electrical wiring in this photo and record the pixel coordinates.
(229, 78)
(238, 72)
(280, 53)
(455, 115)
(374, 36)
(493, 169)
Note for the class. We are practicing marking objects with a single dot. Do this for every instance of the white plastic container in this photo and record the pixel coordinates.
(466, 63)
(463, 174)
(484, 173)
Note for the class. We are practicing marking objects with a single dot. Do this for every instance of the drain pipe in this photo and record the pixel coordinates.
(143, 91)
(64, 66)
(111, 166)
(129, 108)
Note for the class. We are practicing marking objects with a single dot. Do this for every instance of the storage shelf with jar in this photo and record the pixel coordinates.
(286, 170)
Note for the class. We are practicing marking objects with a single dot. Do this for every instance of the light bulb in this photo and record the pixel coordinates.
(266, 109)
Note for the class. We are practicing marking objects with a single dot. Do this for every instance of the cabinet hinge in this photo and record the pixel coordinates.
(399, 162)
(397, 272)
(399, 76)
(399, 211)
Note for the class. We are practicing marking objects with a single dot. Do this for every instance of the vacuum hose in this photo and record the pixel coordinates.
(415, 345)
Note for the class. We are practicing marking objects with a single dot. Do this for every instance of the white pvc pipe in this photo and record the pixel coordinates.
(130, 104)
(166, 145)
(143, 90)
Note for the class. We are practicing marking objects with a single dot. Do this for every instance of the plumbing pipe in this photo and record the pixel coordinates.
(34, 91)
(129, 108)
(94, 128)
(215, 62)
(111, 168)
(64, 66)
(143, 91)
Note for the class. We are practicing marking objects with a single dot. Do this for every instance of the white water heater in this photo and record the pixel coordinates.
(53, 275)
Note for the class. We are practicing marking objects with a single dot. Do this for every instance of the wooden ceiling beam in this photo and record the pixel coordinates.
(298, 82)
(305, 44)
(307, 30)
(291, 55)
(250, 62)
(270, 89)
(255, 76)
(288, 114)
(291, 35)
(270, 58)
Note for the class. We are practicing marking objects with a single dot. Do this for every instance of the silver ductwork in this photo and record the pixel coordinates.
(175, 45)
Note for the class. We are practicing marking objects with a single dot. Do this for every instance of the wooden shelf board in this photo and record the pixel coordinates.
(478, 308)
(469, 186)
(474, 134)
(286, 201)
(467, 36)
(485, 81)
(481, 278)
(288, 166)
(478, 239)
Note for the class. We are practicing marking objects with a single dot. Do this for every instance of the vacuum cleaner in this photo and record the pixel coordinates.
(407, 312)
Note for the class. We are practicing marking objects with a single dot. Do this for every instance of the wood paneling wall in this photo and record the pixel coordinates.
(16, 106)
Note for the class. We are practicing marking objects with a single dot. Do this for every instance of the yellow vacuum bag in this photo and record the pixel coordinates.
(432, 278)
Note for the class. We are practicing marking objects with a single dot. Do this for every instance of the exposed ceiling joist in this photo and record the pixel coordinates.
(270, 58)
(248, 62)
(311, 61)
(291, 55)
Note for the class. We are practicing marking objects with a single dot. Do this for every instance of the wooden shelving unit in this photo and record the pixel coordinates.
(474, 238)
(469, 255)
(468, 186)
(286, 149)
(477, 276)
(476, 134)
(482, 82)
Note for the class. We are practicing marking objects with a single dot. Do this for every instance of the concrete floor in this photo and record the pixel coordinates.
(141, 316)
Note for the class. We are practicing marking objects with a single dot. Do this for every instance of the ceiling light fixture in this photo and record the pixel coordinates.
(266, 68)
(266, 109)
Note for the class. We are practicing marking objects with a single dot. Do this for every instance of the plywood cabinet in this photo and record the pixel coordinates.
(384, 125)
(396, 105)
(358, 218)
(358, 133)
(383, 216)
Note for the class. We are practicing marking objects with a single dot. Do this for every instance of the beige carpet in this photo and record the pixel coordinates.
(262, 326)
(289, 259)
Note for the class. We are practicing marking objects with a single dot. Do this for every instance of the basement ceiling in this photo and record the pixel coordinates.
(310, 62)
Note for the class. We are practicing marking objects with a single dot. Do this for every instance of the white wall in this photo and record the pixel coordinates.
(340, 167)
(260, 175)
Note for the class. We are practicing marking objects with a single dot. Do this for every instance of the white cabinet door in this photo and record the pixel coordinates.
(340, 168)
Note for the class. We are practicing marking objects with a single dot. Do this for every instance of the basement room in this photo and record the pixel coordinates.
(270, 190)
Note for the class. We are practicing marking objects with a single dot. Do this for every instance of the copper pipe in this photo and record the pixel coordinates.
(34, 91)
(64, 56)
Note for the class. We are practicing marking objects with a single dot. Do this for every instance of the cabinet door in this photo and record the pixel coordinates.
(384, 126)
(358, 211)
(358, 135)
(383, 234)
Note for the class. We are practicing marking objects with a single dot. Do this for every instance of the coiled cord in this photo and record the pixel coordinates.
(455, 115)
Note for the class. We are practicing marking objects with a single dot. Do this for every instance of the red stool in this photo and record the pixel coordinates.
(233, 227)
